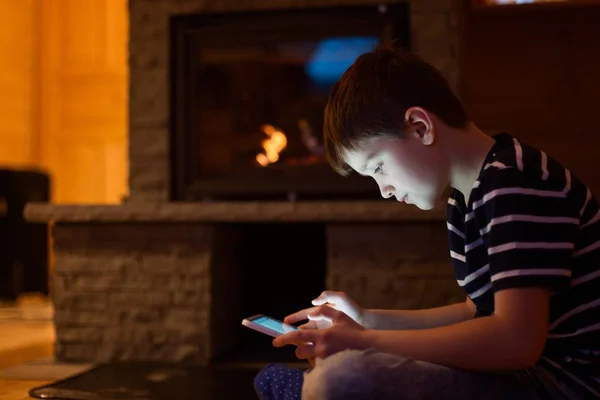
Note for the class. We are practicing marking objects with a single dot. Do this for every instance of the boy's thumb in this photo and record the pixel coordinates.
(319, 300)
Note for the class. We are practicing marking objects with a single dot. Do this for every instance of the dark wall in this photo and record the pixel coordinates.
(536, 73)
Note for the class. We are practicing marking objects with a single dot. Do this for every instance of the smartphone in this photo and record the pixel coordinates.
(267, 325)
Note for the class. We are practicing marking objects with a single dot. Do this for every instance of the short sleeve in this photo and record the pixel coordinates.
(529, 227)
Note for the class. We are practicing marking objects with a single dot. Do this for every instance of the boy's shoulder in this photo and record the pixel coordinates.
(512, 163)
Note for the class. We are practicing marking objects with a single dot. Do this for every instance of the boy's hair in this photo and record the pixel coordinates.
(373, 95)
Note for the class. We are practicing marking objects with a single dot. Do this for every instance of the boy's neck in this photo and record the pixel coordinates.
(467, 150)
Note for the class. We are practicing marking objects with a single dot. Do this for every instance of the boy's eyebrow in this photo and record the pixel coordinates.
(370, 156)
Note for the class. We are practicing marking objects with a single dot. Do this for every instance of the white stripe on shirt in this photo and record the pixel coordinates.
(592, 220)
(469, 216)
(567, 181)
(591, 328)
(457, 256)
(529, 245)
(531, 272)
(572, 312)
(518, 154)
(516, 190)
(527, 218)
(575, 378)
(588, 197)
(585, 278)
(544, 166)
(474, 275)
(481, 290)
(591, 247)
(474, 244)
(454, 229)
(495, 164)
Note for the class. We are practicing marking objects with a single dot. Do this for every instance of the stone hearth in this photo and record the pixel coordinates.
(156, 280)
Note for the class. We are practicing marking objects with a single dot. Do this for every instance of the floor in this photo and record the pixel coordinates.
(26, 330)
(26, 334)
(17, 389)
(26, 361)
(157, 381)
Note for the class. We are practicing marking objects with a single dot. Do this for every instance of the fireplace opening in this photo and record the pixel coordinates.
(248, 95)
(271, 269)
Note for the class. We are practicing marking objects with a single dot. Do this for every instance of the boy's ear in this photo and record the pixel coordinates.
(420, 123)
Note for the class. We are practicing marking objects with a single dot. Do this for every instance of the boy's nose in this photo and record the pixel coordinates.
(386, 191)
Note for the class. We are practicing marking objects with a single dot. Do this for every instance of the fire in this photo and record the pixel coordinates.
(272, 146)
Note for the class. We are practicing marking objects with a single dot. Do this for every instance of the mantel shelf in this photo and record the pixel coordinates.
(336, 211)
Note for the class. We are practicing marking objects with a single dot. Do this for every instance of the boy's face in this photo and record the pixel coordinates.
(410, 169)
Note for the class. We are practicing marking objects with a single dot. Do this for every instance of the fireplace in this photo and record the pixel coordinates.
(276, 269)
(155, 279)
(248, 94)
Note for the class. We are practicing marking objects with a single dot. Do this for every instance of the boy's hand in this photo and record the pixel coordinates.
(337, 300)
(316, 340)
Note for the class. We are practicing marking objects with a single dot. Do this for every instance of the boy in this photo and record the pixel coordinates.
(525, 245)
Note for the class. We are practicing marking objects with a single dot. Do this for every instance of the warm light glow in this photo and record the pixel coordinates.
(503, 2)
(262, 159)
(272, 146)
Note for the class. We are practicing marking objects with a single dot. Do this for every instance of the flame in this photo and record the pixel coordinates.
(272, 146)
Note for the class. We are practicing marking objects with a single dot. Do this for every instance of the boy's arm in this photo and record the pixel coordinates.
(528, 227)
(419, 319)
(512, 338)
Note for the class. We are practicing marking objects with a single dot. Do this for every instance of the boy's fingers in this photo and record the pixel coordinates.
(309, 325)
(305, 352)
(299, 338)
(319, 300)
(299, 316)
(325, 312)
(329, 296)
(325, 297)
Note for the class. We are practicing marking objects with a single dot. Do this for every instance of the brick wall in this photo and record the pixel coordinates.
(402, 266)
(171, 291)
(132, 291)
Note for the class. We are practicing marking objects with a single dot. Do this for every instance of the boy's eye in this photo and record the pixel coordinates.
(378, 169)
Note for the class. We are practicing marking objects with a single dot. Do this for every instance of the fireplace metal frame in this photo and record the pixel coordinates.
(388, 21)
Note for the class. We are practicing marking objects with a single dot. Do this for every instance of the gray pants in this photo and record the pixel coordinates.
(357, 375)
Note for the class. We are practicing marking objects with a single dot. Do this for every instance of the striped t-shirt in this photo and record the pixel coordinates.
(529, 222)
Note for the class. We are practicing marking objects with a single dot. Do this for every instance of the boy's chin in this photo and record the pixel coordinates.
(425, 207)
(424, 204)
